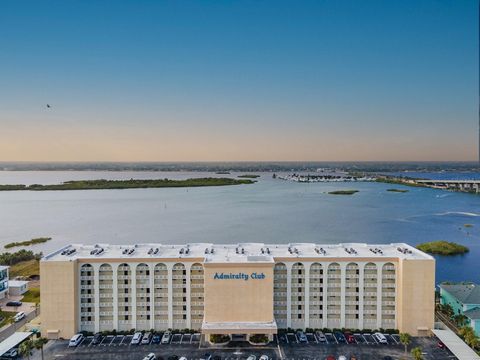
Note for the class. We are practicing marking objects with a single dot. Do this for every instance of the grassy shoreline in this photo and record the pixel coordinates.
(103, 184)
(34, 241)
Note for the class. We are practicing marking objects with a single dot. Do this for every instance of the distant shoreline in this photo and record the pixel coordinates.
(103, 184)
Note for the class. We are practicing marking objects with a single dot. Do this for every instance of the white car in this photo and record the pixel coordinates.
(137, 338)
(166, 337)
(147, 338)
(11, 354)
(342, 357)
(183, 358)
(263, 357)
(150, 356)
(19, 316)
(75, 340)
(252, 357)
(380, 338)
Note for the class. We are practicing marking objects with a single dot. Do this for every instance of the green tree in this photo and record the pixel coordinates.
(417, 353)
(460, 320)
(469, 336)
(405, 340)
(26, 348)
(39, 343)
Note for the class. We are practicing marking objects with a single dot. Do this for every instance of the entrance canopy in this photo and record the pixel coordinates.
(13, 340)
(456, 345)
(239, 327)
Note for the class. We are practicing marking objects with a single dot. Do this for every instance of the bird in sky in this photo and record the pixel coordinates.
(48, 106)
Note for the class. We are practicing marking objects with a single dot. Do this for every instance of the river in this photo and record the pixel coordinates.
(270, 211)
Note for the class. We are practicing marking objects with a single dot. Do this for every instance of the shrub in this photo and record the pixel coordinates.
(219, 338)
(258, 338)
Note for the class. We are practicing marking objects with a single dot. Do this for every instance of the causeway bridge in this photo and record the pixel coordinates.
(458, 185)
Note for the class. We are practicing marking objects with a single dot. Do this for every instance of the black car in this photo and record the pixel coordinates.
(340, 337)
(156, 339)
(14, 303)
(97, 339)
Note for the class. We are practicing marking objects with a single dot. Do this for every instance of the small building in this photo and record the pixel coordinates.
(3, 281)
(17, 287)
(464, 300)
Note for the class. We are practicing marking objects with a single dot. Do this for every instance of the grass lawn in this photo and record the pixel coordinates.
(32, 296)
(25, 268)
(5, 317)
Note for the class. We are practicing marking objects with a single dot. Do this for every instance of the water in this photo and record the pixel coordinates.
(270, 211)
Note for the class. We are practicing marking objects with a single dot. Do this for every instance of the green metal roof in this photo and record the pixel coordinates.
(465, 293)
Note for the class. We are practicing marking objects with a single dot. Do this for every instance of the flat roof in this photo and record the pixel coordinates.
(237, 253)
(13, 340)
(17, 283)
(456, 345)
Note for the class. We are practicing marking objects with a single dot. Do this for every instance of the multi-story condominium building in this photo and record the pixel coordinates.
(241, 289)
(3, 281)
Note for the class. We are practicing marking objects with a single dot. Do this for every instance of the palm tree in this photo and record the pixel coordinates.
(417, 353)
(460, 320)
(25, 348)
(405, 340)
(39, 343)
(469, 336)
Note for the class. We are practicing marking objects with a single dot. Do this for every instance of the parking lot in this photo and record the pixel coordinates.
(286, 346)
(124, 340)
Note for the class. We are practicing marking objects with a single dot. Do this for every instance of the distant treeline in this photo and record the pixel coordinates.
(39, 240)
(128, 184)
(19, 256)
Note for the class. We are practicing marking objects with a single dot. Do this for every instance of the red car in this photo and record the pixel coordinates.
(330, 357)
(350, 338)
(441, 345)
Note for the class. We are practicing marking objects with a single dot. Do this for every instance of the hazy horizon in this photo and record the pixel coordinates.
(139, 81)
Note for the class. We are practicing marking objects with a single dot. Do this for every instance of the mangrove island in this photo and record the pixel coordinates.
(103, 184)
(343, 192)
(442, 248)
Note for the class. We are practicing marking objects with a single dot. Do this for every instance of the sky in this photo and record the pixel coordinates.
(323, 80)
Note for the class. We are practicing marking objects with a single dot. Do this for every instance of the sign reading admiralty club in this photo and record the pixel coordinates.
(238, 276)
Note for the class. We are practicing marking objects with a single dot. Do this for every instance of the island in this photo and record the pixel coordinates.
(103, 184)
(343, 192)
(34, 241)
(442, 248)
(248, 176)
(398, 190)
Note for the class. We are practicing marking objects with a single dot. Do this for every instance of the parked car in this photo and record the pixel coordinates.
(10, 354)
(150, 356)
(330, 357)
(183, 358)
(207, 356)
(264, 357)
(350, 338)
(19, 316)
(380, 338)
(387, 358)
(342, 357)
(320, 336)
(137, 338)
(441, 345)
(156, 338)
(302, 337)
(14, 303)
(97, 339)
(146, 338)
(166, 337)
(252, 357)
(339, 336)
(75, 340)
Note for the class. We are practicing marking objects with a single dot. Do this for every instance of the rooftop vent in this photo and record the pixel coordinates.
(404, 250)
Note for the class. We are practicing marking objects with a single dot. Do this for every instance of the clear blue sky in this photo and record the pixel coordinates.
(239, 80)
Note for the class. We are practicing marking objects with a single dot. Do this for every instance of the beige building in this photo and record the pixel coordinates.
(242, 289)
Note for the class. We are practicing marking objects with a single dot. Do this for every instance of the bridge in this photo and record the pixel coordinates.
(458, 185)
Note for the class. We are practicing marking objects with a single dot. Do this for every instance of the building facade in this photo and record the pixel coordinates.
(241, 289)
(4, 281)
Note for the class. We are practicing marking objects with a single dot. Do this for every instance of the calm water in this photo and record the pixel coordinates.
(270, 211)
